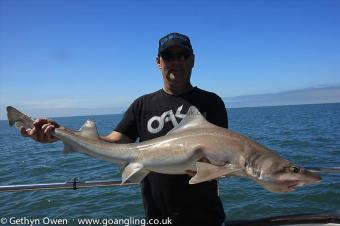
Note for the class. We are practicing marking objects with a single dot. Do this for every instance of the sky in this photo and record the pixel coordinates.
(100, 55)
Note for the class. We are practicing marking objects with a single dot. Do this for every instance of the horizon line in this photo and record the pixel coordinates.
(262, 106)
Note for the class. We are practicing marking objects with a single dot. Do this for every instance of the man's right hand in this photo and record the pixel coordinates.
(42, 131)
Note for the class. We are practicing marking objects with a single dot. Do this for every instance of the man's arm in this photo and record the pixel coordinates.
(116, 137)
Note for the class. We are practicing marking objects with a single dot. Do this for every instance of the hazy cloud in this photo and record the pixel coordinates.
(78, 107)
(315, 95)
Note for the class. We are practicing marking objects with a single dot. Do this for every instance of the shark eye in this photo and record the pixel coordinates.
(294, 169)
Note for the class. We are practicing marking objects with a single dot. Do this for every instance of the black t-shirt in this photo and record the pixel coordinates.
(154, 115)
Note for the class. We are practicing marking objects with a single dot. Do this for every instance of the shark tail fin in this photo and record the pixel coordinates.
(19, 119)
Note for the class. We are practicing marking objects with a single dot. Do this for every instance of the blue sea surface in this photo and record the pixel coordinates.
(308, 135)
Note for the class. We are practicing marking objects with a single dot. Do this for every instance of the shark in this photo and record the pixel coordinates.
(225, 153)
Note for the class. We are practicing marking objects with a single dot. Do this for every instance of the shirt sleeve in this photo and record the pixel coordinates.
(128, 124)
(218, 114)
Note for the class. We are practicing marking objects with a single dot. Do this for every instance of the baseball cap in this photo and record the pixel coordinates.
(174, 39)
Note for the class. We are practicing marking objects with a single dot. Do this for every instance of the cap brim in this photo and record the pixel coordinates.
(175, 44)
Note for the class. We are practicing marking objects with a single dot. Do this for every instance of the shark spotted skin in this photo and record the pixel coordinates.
(228, 153)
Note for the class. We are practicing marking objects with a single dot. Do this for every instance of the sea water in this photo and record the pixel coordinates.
(308, 135)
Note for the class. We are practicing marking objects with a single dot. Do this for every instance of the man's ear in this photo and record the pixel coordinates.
(193, 60)
(158, 62)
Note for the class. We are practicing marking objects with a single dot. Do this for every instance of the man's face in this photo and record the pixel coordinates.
(176, 64)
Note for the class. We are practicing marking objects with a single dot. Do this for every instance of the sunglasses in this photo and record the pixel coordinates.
(181, 56)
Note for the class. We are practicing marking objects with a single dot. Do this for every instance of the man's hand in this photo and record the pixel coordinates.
(41, 131)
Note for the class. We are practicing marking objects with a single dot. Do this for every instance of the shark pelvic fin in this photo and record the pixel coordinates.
(134, 172)
(68, 148)
(207, 171)
(192, 119)
(89, 130)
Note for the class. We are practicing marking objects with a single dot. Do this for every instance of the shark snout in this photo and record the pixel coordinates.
(306, 177)
(311, 177)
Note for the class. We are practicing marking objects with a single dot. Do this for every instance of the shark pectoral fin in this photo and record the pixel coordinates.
(134, 172)
(207, 171)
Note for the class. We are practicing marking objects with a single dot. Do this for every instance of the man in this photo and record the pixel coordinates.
(155, 114)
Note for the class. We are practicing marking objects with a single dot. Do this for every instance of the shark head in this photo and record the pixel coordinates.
(285, 177)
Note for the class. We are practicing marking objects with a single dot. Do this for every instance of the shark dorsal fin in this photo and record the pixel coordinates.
(89, 130)
(192, 119)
